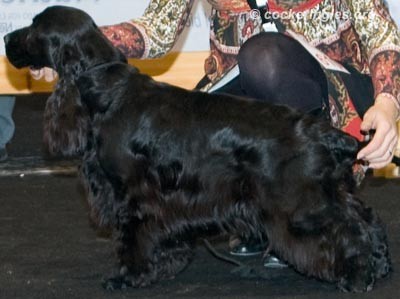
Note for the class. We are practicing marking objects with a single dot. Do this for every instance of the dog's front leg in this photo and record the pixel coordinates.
(143, 261)
(148, 251)
(100, 193)
(134, 251)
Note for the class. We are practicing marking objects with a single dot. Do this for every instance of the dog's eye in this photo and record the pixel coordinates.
(30, 36)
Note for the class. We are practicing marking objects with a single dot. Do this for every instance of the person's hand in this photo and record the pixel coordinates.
(381, 117)
(46, 73)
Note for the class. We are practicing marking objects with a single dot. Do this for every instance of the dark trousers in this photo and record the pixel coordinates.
(276, 68)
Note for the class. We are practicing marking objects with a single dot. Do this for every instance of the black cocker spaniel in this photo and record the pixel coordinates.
(164, 166)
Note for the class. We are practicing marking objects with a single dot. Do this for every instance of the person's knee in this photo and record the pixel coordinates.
(262, 54)
(276, 68)
(263, 65)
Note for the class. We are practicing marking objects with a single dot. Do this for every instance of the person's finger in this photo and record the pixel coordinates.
(383, 147)
(49, 74)
(384, 157)
(378, 165)
(375, 143)
(36, 74)
(381, 162)
(367, 123)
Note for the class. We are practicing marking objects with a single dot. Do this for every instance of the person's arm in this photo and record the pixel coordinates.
(154, 33)
(381, 40)
(149, 36)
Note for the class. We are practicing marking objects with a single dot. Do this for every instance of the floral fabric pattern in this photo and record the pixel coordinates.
(232, 6)
(357, 33)
(158, 29)
(342, 111)
(228, 33)
(128, 38)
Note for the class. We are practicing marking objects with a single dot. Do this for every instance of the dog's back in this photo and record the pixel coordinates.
(170, 124)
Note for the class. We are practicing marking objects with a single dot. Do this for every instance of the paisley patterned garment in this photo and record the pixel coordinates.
(360, 34)
(155, 33)
(357, 33)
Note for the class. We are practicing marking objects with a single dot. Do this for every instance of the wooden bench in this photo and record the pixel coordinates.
(183, 69)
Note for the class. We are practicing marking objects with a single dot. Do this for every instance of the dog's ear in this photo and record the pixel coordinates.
(66, 121)
(67, 61)
(86, 50)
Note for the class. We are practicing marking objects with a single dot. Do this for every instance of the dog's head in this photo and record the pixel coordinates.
(67, 40)
(62, 38)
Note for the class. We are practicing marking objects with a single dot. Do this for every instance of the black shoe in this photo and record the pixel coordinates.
(3, 154)
(247, 248)
(271, 261)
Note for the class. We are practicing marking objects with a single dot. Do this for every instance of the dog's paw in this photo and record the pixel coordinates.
(364, 282)
(116, 283)
(125, 280)
(382, 262)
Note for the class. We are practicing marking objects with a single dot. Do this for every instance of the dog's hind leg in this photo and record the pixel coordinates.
(328, 239)
(333, 243)
(377, 236)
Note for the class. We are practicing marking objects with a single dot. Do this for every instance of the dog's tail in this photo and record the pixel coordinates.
(343, 146)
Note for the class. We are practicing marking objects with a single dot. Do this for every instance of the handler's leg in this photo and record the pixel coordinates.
(276, 68)
(6, 123)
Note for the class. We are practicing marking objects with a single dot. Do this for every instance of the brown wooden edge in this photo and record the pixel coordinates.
(183, 69)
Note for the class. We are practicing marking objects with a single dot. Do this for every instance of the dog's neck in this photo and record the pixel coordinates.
(99, 66)
(94, 83)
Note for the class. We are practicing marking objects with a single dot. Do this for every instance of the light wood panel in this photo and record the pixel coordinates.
(183, 69)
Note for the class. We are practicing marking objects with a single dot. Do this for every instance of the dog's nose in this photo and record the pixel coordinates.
(6, 38)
